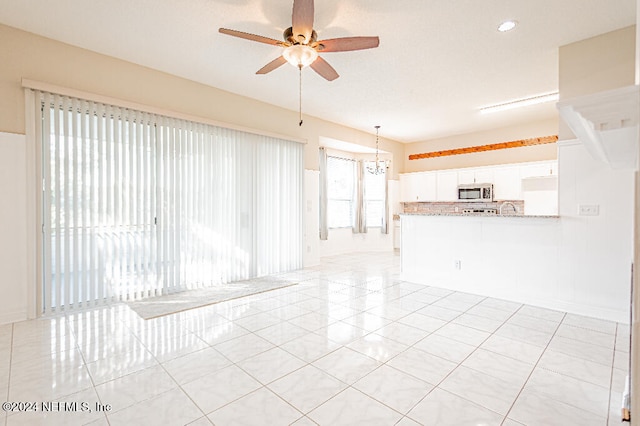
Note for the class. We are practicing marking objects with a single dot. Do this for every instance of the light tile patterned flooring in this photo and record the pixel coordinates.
(350, 345)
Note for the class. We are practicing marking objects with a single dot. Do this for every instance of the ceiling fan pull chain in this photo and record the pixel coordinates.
(300, 92)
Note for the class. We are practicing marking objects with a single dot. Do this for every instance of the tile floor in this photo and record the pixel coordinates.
(351, 344)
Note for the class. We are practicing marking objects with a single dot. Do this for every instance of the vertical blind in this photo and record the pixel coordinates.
(323, 192)
(138, 205)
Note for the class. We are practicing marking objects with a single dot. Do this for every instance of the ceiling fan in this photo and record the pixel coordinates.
(301, 43)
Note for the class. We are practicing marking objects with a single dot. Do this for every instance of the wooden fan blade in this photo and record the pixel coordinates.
(252, 37)
(323, 68)
(302, 20)
(347, 43)
(272, 65)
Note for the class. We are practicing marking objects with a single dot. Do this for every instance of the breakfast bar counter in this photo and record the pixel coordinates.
(512, 257)
(531, 216)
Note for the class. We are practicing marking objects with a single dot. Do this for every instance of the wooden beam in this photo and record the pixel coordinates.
(491, 147)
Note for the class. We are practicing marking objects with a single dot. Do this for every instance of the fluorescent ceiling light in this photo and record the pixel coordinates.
(548, 97)
(507, 26)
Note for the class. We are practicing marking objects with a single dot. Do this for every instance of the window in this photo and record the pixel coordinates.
(374, 195)
(340, 191)
(138, 205)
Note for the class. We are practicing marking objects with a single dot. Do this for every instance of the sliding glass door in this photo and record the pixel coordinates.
(137, 205)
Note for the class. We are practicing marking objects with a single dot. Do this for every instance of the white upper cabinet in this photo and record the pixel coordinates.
(408, 187)
(442, 185)
(538, 169)
(506, 184)
(485, 175)
(476, 175)
(418, 187)
(428, 188)
(447, 185)
(466, 176)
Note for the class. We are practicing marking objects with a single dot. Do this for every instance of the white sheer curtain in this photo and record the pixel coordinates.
(360, 213)
(324, 224)
(385, 214)
(136, 205)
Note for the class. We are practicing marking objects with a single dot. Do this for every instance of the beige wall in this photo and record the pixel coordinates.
(505, 134)
(26, 55)
(596, 64)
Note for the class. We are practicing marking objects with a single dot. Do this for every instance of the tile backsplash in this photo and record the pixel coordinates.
(457, 207)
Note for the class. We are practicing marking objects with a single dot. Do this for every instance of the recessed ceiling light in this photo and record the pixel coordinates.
(507, 26)
(539, 99)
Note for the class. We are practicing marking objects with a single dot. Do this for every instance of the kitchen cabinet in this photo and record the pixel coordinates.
(466, 176)
(397, 234)
(476, 175)
(442, 185)
(428, 187)
(507, 183)
(418, 187)
(447, 185)
(408, 187)
(484, 175)
(538, 169)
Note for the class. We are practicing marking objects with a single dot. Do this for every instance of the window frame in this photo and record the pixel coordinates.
(342, 223)
(367, 198)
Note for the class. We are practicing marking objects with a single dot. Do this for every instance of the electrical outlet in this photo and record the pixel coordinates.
(457, 264)
(588, 210)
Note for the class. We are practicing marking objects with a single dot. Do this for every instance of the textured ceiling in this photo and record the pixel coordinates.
(438, 61)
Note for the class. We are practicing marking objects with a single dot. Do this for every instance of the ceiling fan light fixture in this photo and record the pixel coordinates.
(300, 55)
(507, 26)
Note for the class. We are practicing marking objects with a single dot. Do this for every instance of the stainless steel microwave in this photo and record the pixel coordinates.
(476, 192)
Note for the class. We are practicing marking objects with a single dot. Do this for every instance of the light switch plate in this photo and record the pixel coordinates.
(588, 210)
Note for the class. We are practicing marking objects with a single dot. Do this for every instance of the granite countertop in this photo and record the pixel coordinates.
(482, 215)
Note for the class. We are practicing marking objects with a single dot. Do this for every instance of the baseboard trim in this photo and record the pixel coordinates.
(621, 316)
(15, 316)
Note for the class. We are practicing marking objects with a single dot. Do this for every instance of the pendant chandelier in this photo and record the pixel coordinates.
(380, 166)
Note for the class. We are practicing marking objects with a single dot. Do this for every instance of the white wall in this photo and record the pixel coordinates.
(579, 264)
(311, 245)
(13, 228)
(343, 240)
(597, 250)
(512, 258)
